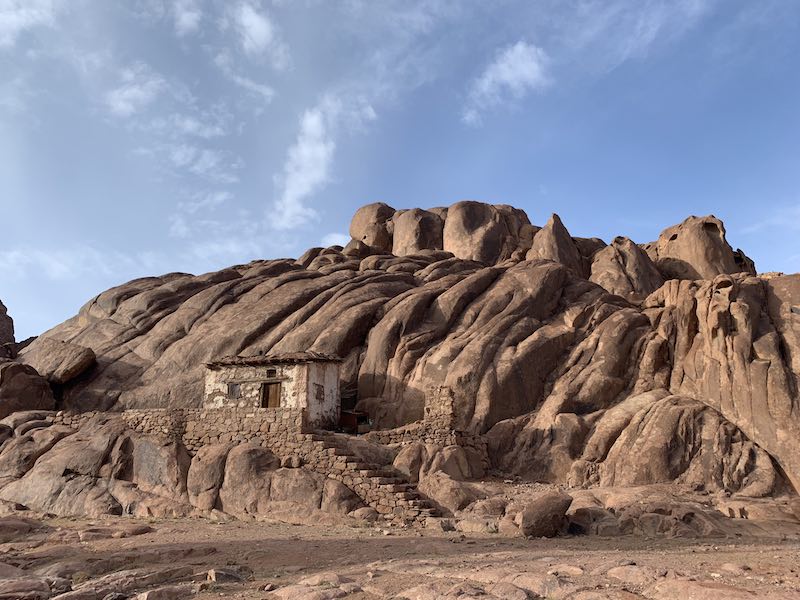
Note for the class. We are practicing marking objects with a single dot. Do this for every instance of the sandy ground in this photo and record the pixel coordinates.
(368, 562)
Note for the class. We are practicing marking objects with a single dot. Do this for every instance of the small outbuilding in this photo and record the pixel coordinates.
(304, 380)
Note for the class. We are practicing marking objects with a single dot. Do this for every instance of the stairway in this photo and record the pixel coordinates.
(383, 488)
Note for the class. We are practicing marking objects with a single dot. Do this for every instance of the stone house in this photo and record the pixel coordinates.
(300, 380)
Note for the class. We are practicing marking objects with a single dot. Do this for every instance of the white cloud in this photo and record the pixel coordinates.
(139, 87)
(309, 159)
(786, 217)
(70, 262)
(334, 239)
(218, 166)
(605, 34)
(188, 125)
(224, 62)
(258, 35)
(17, 16)
(204, 201)
(516, 71)
(187, 16)
(306, 170)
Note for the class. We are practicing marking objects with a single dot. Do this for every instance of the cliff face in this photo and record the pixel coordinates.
(563, 349)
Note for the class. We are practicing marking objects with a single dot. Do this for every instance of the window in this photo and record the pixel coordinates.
(319, 393)
(272, 373)
(270, 395)
(234, 391)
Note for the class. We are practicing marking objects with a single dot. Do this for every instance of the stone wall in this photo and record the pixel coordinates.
(428, 433)
(249, 379)
(440, 407)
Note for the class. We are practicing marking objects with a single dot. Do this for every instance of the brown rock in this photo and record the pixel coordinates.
(544, 516)
(205, 475)
(416, 230)
(369, 226)
(450, 494)
(554, 243)
(482, 232)
(697, 249)
(21, 388)
(683, 589)
(6, 326)
(58, 361)
(248, 476)
(623, 268)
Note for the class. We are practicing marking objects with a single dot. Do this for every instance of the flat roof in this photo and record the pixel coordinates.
(273, 359)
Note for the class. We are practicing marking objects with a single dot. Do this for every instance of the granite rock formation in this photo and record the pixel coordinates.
(563, 350)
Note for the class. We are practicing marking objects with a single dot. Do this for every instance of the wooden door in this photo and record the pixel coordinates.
(270, 395)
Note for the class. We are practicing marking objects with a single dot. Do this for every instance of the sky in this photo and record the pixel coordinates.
(141, 137)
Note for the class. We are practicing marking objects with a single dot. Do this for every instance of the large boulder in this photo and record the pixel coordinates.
(205, 475)
(369, 226)
(697, 249)
(21, 388)
(247, 482)
(416, 230)
(623, 268)
(66, 480)
(545, 515)
(482, 232)
(58, 361)
(554, 243)
(448, 493)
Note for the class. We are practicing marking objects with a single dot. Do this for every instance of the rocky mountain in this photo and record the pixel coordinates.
(583, 363)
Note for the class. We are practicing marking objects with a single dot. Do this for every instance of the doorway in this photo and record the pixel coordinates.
(271, 395)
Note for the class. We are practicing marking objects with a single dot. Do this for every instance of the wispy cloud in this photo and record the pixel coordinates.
(516, 71)
(602, 35)
(69, 262)
(187, 16)
(786, 218)
(309, 160)
(139, 86)
(258, 35)
(18, 16)
(224, 61)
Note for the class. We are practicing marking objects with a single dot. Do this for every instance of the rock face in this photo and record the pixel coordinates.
(416, 230)
(58, 361)
(554, 243)
(697, 249)
(562, 350)
(105, 469)
(6, 327)
(623, 268)
(21, 388)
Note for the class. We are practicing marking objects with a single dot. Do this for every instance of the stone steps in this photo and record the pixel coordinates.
(385, 489)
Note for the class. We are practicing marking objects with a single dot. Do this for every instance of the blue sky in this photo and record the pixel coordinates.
(143, 137)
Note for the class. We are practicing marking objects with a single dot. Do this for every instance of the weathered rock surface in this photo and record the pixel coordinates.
(21, 388)
(625, 269)
(58, 361)
(6, 326)
(369, 226)
(105, 469)
(544, 516)
(416, 230)
(697, 249)
(554, 243)
(561, 349)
